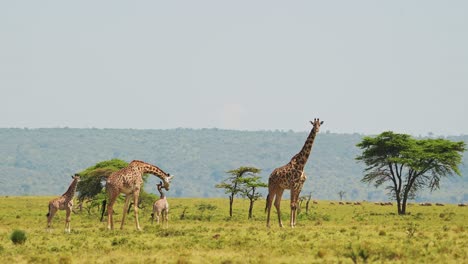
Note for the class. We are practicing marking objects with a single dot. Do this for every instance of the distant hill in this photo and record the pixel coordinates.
(40, 161)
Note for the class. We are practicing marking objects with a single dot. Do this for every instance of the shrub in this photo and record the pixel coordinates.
(18, 237)
(357, 252)
(121, 241)
(411, 229)
(321, 253)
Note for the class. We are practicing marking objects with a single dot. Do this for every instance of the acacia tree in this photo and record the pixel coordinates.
(306, 198)
(232, 183)
(90, 189)
(341, 194)
(408, 164)
(249, 186)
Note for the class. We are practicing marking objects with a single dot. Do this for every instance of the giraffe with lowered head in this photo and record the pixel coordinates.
(64, 202)
(161, 207)
(290, 176)
(128, 181)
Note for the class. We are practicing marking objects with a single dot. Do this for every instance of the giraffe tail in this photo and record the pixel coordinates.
(48, 213)
(104, 202)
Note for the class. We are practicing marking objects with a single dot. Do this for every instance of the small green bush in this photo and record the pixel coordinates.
(411, 229)
(321, 253)
(18, 237)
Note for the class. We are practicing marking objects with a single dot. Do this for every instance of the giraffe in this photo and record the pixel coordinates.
(160, 207)
(128, 181)
(290, 176)
(64, 202)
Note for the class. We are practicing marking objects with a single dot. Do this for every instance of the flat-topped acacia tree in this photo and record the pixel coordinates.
(249, 189)
(233, 183)
(407, 164)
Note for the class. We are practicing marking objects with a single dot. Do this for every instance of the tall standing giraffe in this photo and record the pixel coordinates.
(128, 181)
(64, 202)
(290, 176)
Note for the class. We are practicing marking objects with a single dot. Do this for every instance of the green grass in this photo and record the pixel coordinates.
(328, 234)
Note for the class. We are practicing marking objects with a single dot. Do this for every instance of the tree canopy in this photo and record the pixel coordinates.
(92, 178)
(408, 164)
(236, 183)
(249, 187)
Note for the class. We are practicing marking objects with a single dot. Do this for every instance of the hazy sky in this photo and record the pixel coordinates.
(361, 66)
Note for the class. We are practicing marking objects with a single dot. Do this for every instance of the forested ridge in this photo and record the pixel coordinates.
(41, 161)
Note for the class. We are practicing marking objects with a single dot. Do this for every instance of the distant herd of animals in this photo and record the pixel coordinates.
(391, 204)
(129, 181)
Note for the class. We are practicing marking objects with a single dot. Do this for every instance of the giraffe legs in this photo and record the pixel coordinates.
(50, 215)
(279, 195)
(135, 207)
(268, 208)
(53, 210)
(155, 214)
(68, 219)
(110, 205)
(165, 216)
(110, 211)
(276, 195)
(269, 202)
(294, 198)
(127, 202)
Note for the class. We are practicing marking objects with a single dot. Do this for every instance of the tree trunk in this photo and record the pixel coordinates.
(231, 200)
(398, 199)
(307, 206)
(406, 191)
(403, 207)
(251, 208)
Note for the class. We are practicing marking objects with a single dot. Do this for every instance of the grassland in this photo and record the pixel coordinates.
(200, 232)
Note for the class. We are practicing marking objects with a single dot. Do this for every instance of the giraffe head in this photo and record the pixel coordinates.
(316, 123)
(167, 180)
(76, 177)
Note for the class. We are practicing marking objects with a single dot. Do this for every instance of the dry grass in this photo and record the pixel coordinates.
(329, 234)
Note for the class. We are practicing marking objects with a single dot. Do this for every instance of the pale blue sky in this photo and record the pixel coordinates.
(361, 66)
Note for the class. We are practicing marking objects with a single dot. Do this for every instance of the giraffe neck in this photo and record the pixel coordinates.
(301, 158)
(71, 189)
(148, 168)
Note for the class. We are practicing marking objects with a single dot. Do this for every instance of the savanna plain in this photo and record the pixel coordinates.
(201, 231)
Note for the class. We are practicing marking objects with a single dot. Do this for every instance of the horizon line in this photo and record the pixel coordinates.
(328, 131)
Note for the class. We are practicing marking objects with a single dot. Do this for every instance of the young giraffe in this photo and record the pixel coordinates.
(128, 181)
(160, 207)
(64, 202)
(290, 176)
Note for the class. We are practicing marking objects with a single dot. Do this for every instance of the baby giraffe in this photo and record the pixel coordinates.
(64, 202)
(160, 207)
